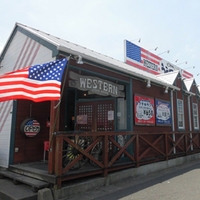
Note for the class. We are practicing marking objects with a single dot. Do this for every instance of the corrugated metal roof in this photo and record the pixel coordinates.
(74, 49)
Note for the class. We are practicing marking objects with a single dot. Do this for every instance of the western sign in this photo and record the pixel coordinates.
(95, 85)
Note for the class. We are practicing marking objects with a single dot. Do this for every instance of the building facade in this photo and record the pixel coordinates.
(100, 94)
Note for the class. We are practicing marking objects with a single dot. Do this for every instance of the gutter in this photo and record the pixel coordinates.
(189, 93)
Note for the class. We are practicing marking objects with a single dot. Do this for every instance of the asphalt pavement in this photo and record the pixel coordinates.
(177, 183)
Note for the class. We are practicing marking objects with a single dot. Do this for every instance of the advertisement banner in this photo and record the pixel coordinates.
(144, 110)
(143, 59)
(163, 112)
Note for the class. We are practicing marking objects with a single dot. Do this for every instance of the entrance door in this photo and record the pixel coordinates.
(95, 116)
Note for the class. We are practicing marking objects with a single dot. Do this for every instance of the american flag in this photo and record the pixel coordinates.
(135, 56)
(37, 83)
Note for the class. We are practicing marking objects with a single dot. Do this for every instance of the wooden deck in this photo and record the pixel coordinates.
(139, 149)
(37, 170)
(36, 174)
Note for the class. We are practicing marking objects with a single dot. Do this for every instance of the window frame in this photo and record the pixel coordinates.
(180, 114)
(195, 110)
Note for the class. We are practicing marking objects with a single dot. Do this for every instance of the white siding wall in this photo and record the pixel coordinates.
(5, 130)
(44, 55)
(22, 52)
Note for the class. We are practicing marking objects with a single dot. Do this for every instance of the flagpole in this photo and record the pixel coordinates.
(63, 85)
(54, 112)
(62, 91)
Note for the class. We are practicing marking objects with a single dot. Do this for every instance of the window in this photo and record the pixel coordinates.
(180, 110)
(195, 116)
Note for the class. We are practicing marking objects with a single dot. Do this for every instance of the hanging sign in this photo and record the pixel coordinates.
(144, 110)
(111, 115)
(30, 127)
(95, 85)
(163, 112)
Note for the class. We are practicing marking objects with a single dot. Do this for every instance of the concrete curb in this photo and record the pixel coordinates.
(45, 194)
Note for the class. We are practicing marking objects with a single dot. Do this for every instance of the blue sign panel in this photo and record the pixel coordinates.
(163, 112)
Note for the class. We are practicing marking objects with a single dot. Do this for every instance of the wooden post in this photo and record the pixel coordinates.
(58, 160)
(58, 157)
(166, 145)
(137, 150)
(105, 155)
(186, 144)
(54, 126)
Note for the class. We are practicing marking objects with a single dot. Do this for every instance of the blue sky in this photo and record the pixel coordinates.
(102, 25)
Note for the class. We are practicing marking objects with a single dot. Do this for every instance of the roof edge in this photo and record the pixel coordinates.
(129, 73)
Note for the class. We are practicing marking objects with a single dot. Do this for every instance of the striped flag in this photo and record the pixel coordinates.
(37, 83)
(145, 60)
(186, 74)
(141, 58)
(24, 57)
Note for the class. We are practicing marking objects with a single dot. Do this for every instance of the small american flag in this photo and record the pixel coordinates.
(37, 83)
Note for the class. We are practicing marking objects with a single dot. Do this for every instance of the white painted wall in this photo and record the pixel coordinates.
(22, 52)
(5, 130)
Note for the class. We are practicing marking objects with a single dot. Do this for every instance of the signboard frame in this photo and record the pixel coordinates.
(144, 110)
(163, 112)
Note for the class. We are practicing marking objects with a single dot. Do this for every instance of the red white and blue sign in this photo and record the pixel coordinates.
(30, 127)
(144, 110)
(145, 60)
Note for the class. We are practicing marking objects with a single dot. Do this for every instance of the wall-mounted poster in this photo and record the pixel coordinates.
(81, 119)
(163, 112)
(111, 115)
(144, 110)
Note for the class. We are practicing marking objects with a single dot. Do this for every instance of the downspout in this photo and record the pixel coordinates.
(190, 123)
(173, 127)
(131, 103)
(13, 132)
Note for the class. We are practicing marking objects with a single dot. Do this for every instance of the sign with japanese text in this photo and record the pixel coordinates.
(144, 110)
(163, 112)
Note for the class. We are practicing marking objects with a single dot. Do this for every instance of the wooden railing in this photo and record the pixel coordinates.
(80, 154)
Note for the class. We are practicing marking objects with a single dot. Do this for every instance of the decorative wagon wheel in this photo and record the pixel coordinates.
(70, 153)
(96, 152)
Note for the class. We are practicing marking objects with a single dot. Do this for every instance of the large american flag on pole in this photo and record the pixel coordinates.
(37, 83)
